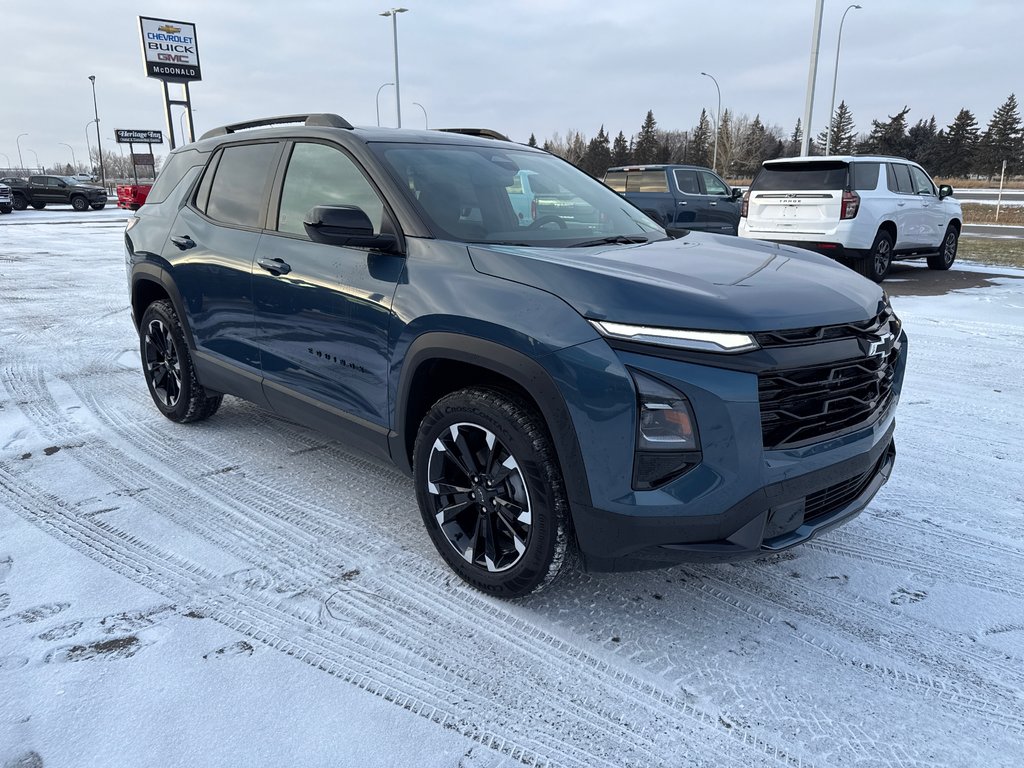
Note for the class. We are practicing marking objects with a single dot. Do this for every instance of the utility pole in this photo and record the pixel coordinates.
(812, 74)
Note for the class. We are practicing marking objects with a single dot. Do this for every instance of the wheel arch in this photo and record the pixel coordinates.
(889, 227)
(437, 364)
(151, 283)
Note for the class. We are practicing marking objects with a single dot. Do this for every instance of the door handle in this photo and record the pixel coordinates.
(900, 205)
(275, 266)
(184, 242)
(713, 202)
(682, 202)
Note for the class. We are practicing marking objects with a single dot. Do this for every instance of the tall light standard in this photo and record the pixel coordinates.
(378, 101)
(39, 168)
(718, 120)
(99, 146)
(426, 123)
(7, 159)
(74, 162)
(21, 163)
(88, 149)
(835, 76)
(393, 13)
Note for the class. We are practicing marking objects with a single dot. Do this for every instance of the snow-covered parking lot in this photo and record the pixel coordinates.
(242, 592)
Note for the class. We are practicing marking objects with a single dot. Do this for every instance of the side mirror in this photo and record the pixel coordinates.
(945, 191)
(737, 193)
(345, 225)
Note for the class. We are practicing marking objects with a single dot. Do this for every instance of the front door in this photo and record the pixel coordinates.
(322, 311)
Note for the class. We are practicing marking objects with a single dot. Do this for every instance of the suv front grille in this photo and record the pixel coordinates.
(801, 405)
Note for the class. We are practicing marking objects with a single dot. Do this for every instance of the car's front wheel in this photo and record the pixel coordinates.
(167, 366)
(947, 251)
(79, 203)
(39, 206)
(491, 493)
(19, 202)
(99, 206)
(876, 265)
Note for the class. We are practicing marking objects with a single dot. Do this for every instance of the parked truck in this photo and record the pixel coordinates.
(40, 191)
(679, 197)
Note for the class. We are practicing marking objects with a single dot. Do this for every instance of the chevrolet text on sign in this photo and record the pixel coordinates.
(169, 50)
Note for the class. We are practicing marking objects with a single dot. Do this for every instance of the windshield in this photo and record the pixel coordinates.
(510, 197)
(71, 180)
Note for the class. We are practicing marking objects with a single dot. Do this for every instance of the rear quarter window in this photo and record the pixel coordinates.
(864, 176)
(173, 172)
(802, 176)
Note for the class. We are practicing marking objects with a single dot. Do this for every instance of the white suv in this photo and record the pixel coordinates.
(861, 210)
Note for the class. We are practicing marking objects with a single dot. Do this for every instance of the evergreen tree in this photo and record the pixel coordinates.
(958, 146)
(532, 142)
(888, 137)
(646, 149)
(1002, 141)
(923, 143)
(795, 140)
(843, 135)
(620, 151)
(598, 157)
(700, 141)
(725, 144)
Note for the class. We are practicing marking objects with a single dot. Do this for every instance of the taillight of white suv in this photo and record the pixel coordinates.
(851, 204)
(745, 205)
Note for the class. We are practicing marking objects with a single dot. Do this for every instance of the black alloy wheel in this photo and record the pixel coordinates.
(163, 368)
(79, 203)
(876, 265)
(19, 202)
(491, 493)
(947, 251)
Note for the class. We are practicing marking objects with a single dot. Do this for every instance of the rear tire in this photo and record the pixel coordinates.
(876, 265)
(947, 251)
(99, 206)
(168, 369)
(491, 492)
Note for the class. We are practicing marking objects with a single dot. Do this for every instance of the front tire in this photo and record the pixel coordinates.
(99, 206)
(491, 492)
(19, 202)
(39, 206)
(168, 369)
(947, 251)
(79, 203)
(6, 209)
(876, 265)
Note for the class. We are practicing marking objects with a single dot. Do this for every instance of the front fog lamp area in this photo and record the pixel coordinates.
(667, 444)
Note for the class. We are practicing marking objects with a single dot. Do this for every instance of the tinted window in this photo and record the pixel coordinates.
(802, 176)
(236, 195)
(864, 175)
(322, 175)
(922, 184)
(903, 182)
(713, 184)
(687, 182)
(616, 180)
(647, 181)
(176, 167)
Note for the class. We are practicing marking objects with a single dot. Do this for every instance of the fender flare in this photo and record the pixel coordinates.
(148, 272)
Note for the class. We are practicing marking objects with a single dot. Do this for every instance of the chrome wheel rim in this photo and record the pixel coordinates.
(478, 497)
(882, 256)
(163, 366)
(949, 250)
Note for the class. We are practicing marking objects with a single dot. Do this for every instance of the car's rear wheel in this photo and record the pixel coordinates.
(947, 251)
(39, 206)
(79, 203)
(491, 492)
(168, 368)
(876, 265)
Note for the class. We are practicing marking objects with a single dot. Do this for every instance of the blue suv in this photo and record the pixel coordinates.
(580, 386)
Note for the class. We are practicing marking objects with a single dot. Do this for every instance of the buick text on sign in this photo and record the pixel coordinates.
(169, 50)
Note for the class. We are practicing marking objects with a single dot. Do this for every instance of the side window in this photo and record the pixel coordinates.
(687, 182)
(54, 183)
(322, 175)
(714, 185)
(864, 176)
(903, 182)
(647, 181)
(173, 172)
(239, 183)
(922, 184)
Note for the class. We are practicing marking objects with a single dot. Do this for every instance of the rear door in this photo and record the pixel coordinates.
(691, 209)
(911, 227)
(723, 212)
(797, 197)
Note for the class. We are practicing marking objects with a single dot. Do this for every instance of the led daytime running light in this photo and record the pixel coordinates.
(702, 341)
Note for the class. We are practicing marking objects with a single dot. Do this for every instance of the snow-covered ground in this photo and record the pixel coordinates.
(242, 592)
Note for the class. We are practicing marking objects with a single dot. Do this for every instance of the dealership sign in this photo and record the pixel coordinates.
(169, 50)
(128, 136)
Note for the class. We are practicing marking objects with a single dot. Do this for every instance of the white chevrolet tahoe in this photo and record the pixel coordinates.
(864, 211)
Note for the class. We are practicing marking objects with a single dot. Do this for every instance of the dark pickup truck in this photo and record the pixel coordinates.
(38, 191)
(679, 197)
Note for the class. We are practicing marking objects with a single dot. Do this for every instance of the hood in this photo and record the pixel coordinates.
(699, 281)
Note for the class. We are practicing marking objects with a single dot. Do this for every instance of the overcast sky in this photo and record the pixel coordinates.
(518, 66)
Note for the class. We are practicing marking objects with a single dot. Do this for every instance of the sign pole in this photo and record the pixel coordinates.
(167, 113)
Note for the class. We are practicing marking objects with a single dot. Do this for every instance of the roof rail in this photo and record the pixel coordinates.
(486, 133)
(325, 120)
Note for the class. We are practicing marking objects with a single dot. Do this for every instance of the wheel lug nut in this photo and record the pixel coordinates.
(472, 495)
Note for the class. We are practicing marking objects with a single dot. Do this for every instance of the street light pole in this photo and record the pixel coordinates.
(39, 168)
(88, 149)
(835, 77)
(74, 162)
(426, 123)
(393, 13)
(21, 163)
(378, 101)
(718, 120)
(8, 160)
(812, 75)
(99, 146)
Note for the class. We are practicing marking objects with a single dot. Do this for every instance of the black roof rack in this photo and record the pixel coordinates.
(486, 133)
(325, 120)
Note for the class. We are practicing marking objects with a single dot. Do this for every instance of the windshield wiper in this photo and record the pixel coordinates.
(612, 240)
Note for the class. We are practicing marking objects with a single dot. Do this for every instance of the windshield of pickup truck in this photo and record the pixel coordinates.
(509, 197)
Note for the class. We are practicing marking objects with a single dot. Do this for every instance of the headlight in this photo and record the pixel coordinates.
(667, 443)
(700, 341)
